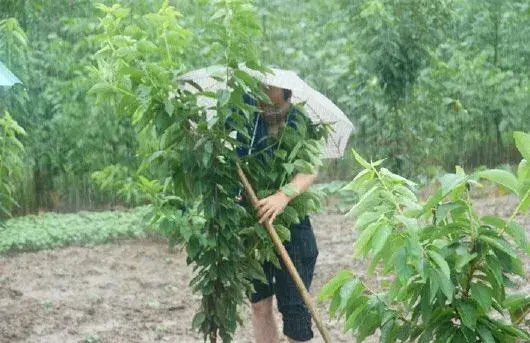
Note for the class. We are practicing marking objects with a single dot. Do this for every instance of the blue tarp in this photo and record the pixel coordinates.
(7, 78)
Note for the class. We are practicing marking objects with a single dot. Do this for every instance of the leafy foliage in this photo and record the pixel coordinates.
(11, 162)
(188, 159)
(427, 86)
(13, 49)
(52, 230)
(451, 266)
(68, 138)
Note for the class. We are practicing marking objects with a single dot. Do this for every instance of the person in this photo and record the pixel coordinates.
(273, 117)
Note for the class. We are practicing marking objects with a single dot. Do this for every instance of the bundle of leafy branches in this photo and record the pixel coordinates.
(11, 164)
(189, 158)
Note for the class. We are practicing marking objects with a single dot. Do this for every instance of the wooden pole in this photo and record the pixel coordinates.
(286, 260)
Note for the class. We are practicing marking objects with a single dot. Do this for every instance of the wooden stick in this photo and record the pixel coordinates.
(286, 260)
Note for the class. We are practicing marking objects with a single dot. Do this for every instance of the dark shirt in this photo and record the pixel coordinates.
(261, 143)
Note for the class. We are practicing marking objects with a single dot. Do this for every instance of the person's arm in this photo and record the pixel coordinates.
(273, 205)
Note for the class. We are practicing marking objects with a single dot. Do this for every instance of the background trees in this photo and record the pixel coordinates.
(428, 85)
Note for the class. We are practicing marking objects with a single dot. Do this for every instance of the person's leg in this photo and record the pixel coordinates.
(263, 323)
(296, 317)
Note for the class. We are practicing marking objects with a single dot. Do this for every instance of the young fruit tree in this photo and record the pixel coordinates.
(11, 162)
(189, 158)
(450, 267)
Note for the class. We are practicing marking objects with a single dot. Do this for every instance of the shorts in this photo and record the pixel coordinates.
(303, 251)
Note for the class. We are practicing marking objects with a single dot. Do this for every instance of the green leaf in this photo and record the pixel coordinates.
(503, 178)
(403, 270)
(146, 46)
(369, 323)
(283, 232)
(291, 190)
(396, 178)
(366, 219)
(350, 291)
(380, 239)
(361, 160)
(485, 334)
(494, 275)
(450, 182)
(511, 330)
(139, 113)
(388, 331)
(517, 300)
(443, 210)
(518, 305)
(483, 295)
(290, 214)
(281, 154)
(433, 201)
(523, 170)
(499, 244)
(335, 284)
(494, 221)
(361, 243)
(197, 321)
(359, 181)
(102, 87)
(525, 201)
(434, 284)
(334, 306)
(463, 260)
(303, 167)
(294, 151)
(518, 233)
(446, 286)
(440, 262)
(410, 223)
(522, 142)
(468, 314)
(223, 96)
(353, 317)
(369, 197)
(289, 167)
(186, 232)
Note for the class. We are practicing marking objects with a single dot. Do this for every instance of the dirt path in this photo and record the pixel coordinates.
(136, 291)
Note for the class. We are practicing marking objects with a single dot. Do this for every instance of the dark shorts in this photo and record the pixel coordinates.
(303, 251)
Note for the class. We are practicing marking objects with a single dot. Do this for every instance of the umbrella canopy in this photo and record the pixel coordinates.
(7, 78)
(318, 107)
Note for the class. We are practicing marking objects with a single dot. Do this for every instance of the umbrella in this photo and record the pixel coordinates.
(318, 107)
(7, 78)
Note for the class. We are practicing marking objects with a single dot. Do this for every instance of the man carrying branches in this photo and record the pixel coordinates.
(276, 126)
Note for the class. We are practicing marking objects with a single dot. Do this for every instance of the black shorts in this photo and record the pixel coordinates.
(303, 251)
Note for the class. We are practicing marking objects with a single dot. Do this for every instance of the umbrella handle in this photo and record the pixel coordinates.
(286, 260)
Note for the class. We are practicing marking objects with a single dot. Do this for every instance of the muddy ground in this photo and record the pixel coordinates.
(136, 290)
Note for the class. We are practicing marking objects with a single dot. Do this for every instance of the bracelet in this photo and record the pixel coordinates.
(291, 190)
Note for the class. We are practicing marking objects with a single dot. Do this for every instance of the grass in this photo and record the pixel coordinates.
(52, 230)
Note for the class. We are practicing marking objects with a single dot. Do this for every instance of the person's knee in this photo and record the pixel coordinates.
(262, 308)
(296, 322)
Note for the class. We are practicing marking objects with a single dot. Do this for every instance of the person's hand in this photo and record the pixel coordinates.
(271, 206)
